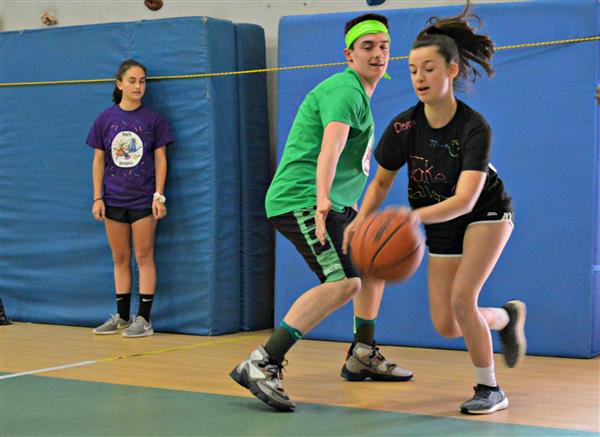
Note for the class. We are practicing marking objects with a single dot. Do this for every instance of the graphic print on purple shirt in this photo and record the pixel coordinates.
(129, 139)
(124, 147)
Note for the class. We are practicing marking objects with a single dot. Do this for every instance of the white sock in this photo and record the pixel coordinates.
(486, 375)
(501, 318)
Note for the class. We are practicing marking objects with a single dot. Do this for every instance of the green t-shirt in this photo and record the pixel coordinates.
(340, 98)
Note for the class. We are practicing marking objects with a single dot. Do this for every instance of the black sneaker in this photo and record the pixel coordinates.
(485, 401)
(514, 344)
(263, 379)
(365, 361)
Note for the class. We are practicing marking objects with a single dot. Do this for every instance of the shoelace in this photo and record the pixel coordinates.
(276, 373)
(376, 355)
(274, 369)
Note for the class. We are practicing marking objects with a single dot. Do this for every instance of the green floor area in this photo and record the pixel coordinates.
(35, 405)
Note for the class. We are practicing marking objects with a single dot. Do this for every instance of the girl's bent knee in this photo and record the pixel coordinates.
(448, 330)
(463, 308)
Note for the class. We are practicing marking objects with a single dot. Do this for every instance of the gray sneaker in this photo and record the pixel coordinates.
(140, 327)
(112, 325)
(485, 401)
(514, 344)
(364, 361)
(263, 379)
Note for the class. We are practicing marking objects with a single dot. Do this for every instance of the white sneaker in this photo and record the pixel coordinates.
(140, 327)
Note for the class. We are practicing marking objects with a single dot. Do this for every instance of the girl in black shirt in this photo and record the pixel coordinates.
(455, 192)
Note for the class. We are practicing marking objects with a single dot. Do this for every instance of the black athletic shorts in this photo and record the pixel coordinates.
(328, 262)
(126, 215)
(446, 239)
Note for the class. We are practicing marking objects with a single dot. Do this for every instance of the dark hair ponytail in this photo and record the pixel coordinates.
(125, 65)
(457, 42)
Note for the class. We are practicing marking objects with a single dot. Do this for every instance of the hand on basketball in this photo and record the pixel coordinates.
(387, 245)
(411, 212)
(98, 210)
(415, 217)
(323, 208)
(159, 210)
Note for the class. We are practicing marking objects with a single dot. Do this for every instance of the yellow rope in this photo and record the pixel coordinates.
(549, 43)
(273, 69)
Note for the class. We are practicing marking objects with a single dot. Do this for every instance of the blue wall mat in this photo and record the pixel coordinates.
(56, 264)
(541, 108)
(257, 251)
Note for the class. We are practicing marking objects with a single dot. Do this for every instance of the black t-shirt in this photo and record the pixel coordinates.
(436, 157)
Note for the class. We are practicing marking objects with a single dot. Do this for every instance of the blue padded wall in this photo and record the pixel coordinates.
(56, 265)
(542, 110)
(257, 251)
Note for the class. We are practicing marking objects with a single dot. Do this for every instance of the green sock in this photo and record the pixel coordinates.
(364, 330)
(282, 340)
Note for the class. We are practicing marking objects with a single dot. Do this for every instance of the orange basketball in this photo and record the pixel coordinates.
(388, 245)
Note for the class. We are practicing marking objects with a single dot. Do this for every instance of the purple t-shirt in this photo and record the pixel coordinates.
(129, 139)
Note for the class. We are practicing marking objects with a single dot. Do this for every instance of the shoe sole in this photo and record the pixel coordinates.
(364, 374)
(501, 406)
(242, 379)
(144, 334)
(105, 332)
(269, 401)
(520, 329)
(120, 328)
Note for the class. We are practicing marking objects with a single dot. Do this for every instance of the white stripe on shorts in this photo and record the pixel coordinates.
(506, 217)
(444, 255)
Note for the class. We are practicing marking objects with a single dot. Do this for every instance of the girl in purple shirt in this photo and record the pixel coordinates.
(129, 172)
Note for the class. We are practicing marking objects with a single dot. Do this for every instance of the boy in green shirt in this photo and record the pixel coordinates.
(312, 198)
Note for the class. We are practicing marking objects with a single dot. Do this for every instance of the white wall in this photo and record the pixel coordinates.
(25, 14)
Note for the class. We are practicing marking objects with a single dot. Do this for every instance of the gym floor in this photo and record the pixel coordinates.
(62, 380)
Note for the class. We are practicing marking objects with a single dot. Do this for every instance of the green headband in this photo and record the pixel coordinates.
(365, 28)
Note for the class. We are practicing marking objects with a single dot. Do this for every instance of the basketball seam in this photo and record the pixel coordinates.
(382, 245)
(405, 257)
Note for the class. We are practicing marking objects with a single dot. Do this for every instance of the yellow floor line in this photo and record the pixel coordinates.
(122, 357)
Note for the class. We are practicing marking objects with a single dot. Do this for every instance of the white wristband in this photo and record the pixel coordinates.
(159, 197)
